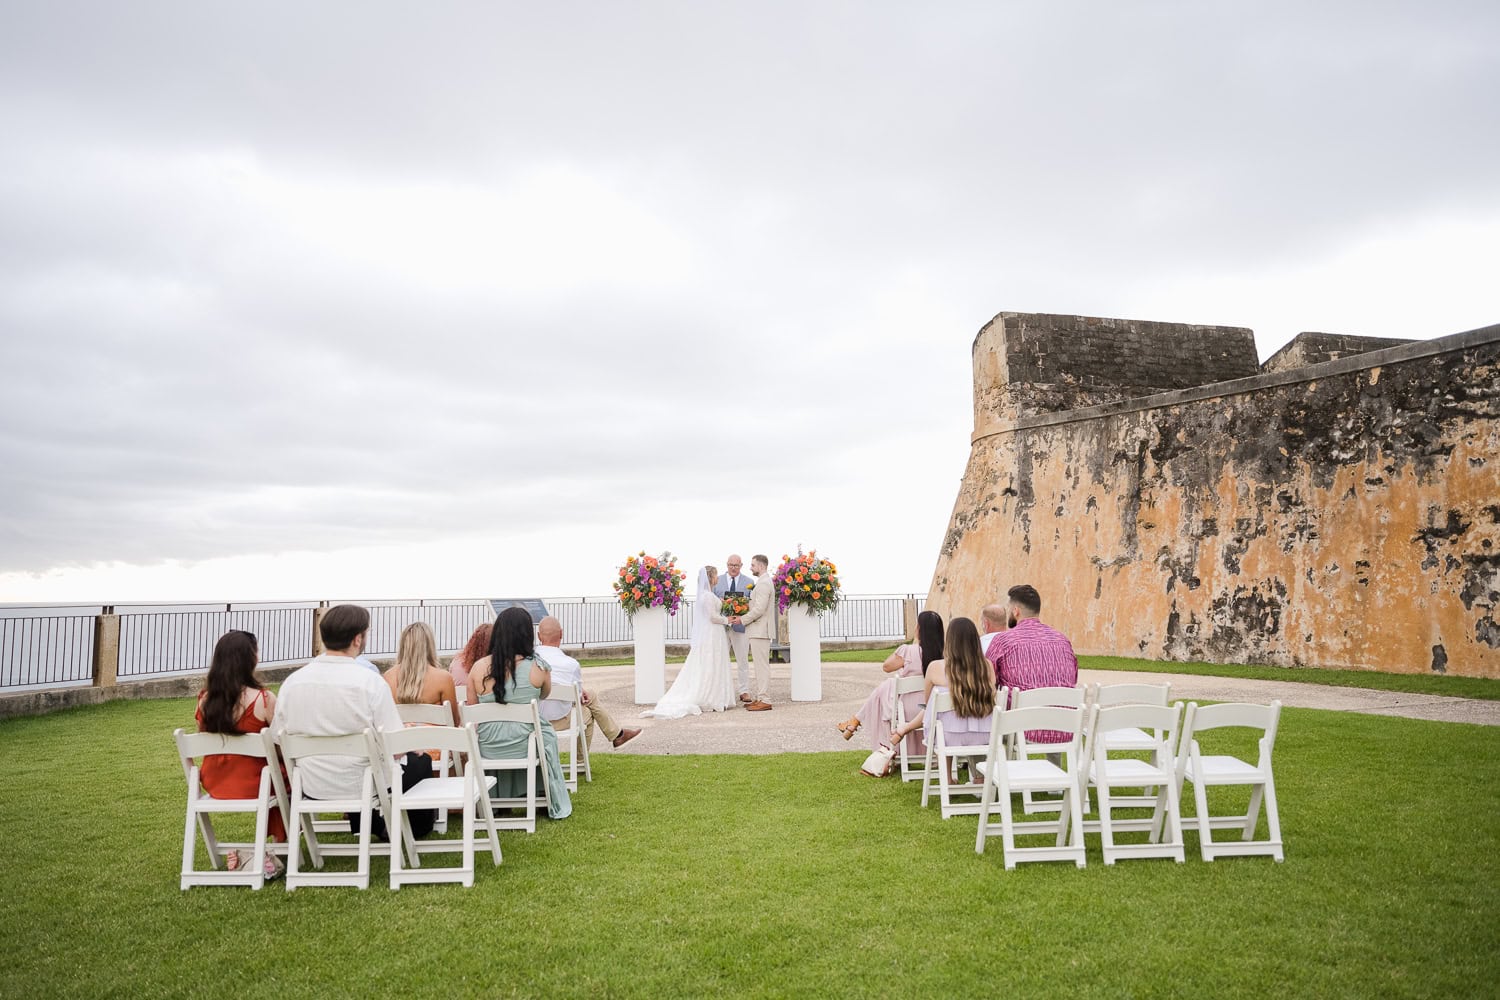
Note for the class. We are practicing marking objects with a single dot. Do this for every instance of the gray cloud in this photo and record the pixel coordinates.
(284, 277)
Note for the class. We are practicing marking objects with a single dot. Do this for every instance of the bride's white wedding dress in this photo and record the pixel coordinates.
(705, 682)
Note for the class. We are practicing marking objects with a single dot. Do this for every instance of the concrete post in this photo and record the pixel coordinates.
(317, 628)
(106, 648)
(909, 617)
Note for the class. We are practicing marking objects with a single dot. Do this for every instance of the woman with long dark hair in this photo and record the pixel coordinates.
(969, 679)
(233, 702)
(909, 660)
(512, 674)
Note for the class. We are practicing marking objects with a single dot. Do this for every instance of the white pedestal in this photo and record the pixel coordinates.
(650, 627)
(807, 654)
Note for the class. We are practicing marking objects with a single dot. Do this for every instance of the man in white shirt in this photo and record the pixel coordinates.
(566, 670)
(336, 695)
(733, 581)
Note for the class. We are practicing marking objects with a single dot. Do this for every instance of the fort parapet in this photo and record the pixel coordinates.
(1171, 498)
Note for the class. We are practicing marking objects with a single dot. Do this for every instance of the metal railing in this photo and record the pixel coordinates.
(44, 647)
(155, 643)
(46, 650)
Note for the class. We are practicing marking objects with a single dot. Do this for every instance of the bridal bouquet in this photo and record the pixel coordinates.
(649, 582)
(807, 580)
(735, 605)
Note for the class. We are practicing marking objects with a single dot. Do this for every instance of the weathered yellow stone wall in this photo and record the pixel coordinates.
(1344, 515)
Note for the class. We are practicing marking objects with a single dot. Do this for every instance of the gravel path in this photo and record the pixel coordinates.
(808, 727)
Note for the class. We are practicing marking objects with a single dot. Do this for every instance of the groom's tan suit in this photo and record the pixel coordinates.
(760, 625)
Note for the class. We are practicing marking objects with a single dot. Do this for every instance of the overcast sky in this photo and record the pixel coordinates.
(432, 300)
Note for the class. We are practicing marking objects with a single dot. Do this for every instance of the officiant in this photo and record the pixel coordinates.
(734, 583)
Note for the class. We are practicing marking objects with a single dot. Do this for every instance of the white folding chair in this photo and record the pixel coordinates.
(1053, 697)
(433, 715)
(942, 758)
(530, 764)
(462, 692)
(201, 807)
(912, 769)
(1004, 777)
(570, 739)
(469, 792)
(1109, 695)
(1204, 770)
(1108, 773)
(354, 750)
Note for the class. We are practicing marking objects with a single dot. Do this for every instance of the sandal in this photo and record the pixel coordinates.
(232, 861)
(848, 730)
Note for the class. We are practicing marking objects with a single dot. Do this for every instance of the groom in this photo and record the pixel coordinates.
(760, 624)
(732, 581)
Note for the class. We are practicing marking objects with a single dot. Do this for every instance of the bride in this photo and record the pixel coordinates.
(705, 681)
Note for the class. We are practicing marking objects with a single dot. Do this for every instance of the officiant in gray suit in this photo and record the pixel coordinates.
(732, 581)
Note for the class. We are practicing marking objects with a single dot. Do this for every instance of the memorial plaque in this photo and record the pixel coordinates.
(533, 605)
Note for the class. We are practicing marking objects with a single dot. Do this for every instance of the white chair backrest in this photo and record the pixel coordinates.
(1105, 695)
(462, 692)
(454, 739)
(432, 715)
(1236, 714)
(942, 701)
(295, 747)
(1162, 718)
(1018, 720)
(491, 712)
(1061, 697)
(198, 745)
(563, 692)
(906, 685)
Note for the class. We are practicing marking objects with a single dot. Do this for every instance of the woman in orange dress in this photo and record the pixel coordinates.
(233, 702)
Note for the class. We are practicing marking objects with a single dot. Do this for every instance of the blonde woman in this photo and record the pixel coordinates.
(417, 679)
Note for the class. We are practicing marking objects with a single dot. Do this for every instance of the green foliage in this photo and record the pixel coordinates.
(767, 876)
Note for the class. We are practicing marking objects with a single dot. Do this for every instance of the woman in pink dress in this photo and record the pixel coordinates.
(909, 660)
(477, 649)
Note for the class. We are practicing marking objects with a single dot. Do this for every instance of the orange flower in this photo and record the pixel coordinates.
(816, 595)
(817, 577)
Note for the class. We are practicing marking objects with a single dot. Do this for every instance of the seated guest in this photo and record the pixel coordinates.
(512, 674)
(477, 648)
(233, 702)
(1030, 655)
(992, 622)
(909, 660)
(334, 695)
(965, 674)
(416, 679)
(566, 670)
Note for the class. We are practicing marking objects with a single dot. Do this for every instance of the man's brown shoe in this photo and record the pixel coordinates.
(626, 735)
(758, 706)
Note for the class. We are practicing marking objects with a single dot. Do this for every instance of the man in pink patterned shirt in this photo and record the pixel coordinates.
(1029, 654)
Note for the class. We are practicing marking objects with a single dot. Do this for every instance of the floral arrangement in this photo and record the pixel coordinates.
(737, 604)
(807, 580)
(649, 582)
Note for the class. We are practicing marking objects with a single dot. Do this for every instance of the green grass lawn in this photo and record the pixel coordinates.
(767, 876)
(1456, 687)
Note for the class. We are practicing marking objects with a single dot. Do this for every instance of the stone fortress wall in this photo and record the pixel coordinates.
(1172, 498)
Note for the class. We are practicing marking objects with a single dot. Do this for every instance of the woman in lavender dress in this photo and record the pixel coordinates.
(909, 660)
(968, 677)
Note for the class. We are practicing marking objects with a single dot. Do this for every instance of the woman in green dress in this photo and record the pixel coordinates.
(520, 678)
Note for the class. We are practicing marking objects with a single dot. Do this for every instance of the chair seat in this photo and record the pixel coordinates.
(1221, 770)
(1029, 774)
(1129, 773)
(433, 793)
(1130, 739)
